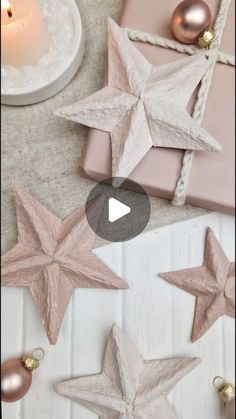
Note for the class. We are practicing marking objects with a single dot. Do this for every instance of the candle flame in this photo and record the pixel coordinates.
(5, 4)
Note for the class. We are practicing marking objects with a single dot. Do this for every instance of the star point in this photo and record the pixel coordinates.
(53, 257)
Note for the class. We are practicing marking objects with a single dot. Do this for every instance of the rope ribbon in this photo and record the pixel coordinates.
(200, 106)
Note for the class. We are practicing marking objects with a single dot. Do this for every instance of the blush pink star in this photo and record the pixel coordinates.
(213, 285)
(52, 257)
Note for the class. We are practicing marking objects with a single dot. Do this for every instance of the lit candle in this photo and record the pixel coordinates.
(24, 35)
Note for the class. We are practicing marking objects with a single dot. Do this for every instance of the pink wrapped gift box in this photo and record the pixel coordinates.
(212, 179)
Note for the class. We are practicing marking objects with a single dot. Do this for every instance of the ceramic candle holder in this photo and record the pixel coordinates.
(29, 84)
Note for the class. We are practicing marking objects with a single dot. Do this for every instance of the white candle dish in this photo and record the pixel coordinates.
(32, 84)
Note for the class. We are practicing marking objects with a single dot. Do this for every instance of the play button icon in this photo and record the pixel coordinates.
(117, 210)
(121, 213)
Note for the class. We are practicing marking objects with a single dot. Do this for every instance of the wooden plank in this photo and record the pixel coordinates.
(94, 312)
(147, 304)
(11, 335)
(227, 234)
(43, 401)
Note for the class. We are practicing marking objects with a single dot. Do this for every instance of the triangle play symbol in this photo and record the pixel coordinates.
(117, 210)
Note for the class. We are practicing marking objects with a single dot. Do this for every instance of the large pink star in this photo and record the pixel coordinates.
(52, 257)
(143, 106)
(213, 284)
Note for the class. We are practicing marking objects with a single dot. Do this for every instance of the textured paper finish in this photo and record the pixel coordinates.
(213, 284)
(129, 387)
(143, 106)
(212, 177)
(52, 257)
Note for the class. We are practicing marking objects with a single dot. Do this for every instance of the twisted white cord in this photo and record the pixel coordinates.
(138, 36)
(135, 35)
(226, 58)
(182, 184)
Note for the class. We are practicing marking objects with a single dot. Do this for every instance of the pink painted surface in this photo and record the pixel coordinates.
(212, 178)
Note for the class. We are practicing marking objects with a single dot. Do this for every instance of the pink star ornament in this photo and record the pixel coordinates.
(52, 257)
(213, 285)
(143, 106)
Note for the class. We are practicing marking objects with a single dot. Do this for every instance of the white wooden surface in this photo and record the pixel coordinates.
(155, 315)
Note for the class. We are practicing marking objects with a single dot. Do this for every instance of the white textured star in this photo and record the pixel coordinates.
(143, 106)
(128, 387)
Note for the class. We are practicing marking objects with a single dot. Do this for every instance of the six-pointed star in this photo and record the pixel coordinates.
(213, 284)
(143, 106)
(52, 257)
(128, 387)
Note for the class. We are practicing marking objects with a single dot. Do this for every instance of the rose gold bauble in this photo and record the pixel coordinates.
(15, 380)
(190, 19)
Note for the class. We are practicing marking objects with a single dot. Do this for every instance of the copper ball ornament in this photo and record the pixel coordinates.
(189, 20)
(16, 375)
(15, 380)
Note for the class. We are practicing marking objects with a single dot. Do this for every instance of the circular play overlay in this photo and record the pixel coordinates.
(122, 209)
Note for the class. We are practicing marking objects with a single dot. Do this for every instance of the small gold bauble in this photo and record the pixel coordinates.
(226, 390)
(30, 362)
(206, 38)
(227, 393)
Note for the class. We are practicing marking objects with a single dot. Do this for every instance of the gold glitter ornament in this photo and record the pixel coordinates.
(227, 394)
(30, 362)
(206, 38)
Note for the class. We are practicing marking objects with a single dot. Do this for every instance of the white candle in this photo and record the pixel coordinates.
(24, 35)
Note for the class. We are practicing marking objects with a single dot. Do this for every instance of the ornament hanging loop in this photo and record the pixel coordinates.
(39, 354)
(219, 382)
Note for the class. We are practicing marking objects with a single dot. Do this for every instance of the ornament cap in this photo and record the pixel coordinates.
(226, 390)
(32, 361)
(206, 38)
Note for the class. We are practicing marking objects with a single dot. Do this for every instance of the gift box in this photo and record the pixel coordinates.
(211, 183)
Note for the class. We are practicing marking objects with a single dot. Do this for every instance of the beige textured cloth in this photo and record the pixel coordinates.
(41, 152)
